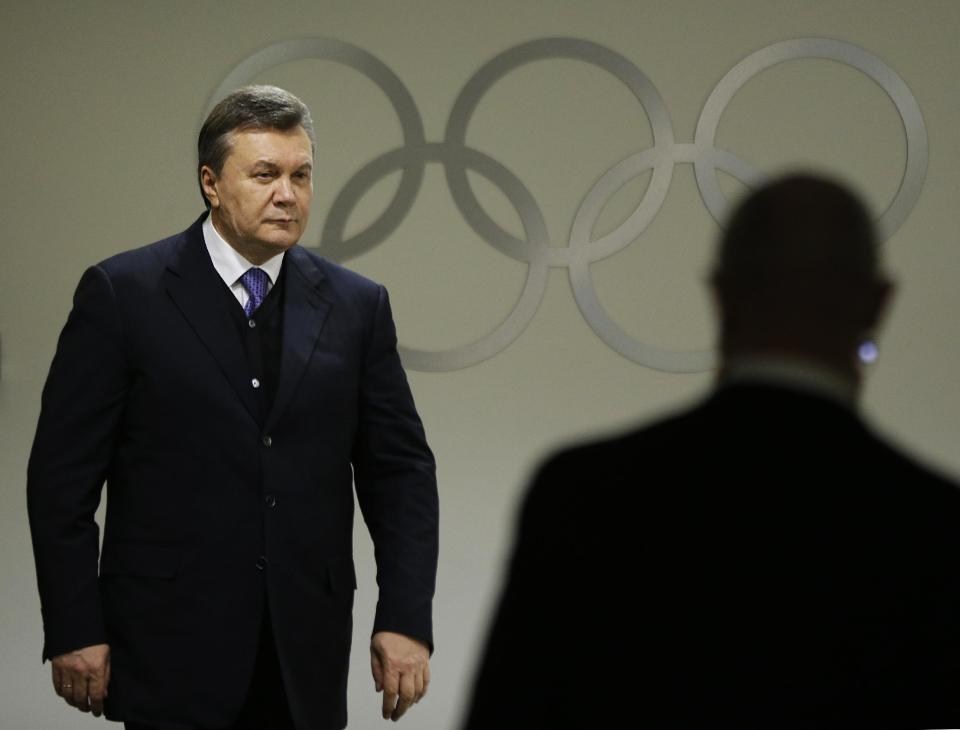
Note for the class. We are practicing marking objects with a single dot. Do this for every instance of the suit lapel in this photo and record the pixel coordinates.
(193, 284)
(305, 311)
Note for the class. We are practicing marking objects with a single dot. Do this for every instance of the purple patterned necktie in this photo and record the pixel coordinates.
(255, 282)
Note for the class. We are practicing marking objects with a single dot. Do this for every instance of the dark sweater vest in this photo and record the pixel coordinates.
(262, 337)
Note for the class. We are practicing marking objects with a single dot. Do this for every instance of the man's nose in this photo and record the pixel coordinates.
(283, 191)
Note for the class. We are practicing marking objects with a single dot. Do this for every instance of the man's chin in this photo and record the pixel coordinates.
(280, 242)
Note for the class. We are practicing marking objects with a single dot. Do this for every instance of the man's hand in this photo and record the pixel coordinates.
(81, 677)
(401, 670)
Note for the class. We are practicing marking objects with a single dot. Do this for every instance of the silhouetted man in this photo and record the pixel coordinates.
(762, 560)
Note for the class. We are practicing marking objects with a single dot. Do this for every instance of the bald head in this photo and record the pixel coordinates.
(797, 274)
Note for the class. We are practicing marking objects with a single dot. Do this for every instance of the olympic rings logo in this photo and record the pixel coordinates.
(535, 249)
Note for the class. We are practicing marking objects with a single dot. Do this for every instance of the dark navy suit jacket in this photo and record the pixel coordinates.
(213, 512)
(759, 561)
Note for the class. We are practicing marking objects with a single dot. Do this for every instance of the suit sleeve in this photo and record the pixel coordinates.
(518, 672)
(395, 478)
(81, 406)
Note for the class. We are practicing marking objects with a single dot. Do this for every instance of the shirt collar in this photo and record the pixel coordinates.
(228, 262)
(793, 373)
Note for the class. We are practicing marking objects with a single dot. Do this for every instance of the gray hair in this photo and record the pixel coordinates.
(251, 107)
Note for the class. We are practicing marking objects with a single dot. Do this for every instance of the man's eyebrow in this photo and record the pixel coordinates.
(271, 164)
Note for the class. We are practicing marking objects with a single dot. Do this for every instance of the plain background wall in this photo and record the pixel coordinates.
(102, 102)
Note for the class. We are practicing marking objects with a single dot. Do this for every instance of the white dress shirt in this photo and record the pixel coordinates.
(793, 373)
(230, 265)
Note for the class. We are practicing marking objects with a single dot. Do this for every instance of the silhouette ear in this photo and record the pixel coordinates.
(724, 310)
(719, 286)
(878, 302)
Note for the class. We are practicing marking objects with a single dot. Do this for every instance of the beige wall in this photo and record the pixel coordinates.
(102, 102)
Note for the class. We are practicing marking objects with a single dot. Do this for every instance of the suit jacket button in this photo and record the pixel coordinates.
(267, 441)
(261, 563)
(271, 500)
(251, 324)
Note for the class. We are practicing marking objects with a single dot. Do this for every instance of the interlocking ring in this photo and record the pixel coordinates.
(535, 249)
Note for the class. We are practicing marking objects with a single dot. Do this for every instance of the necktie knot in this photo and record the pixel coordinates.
(255, 281)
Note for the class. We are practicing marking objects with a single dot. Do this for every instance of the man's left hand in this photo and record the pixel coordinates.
(401, 670)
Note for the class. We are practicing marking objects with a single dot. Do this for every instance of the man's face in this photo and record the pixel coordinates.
(260, 201)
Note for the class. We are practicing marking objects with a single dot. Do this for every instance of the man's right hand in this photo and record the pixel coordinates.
(81, 677)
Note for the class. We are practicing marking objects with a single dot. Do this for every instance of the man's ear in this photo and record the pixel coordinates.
(724, 309)
(714, 283)
(208, 181)
(881, 294)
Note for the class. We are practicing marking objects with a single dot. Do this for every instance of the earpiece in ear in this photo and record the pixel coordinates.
(868, 352)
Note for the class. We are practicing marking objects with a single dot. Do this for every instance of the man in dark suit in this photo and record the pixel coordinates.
(231, 387)
(760, 560)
